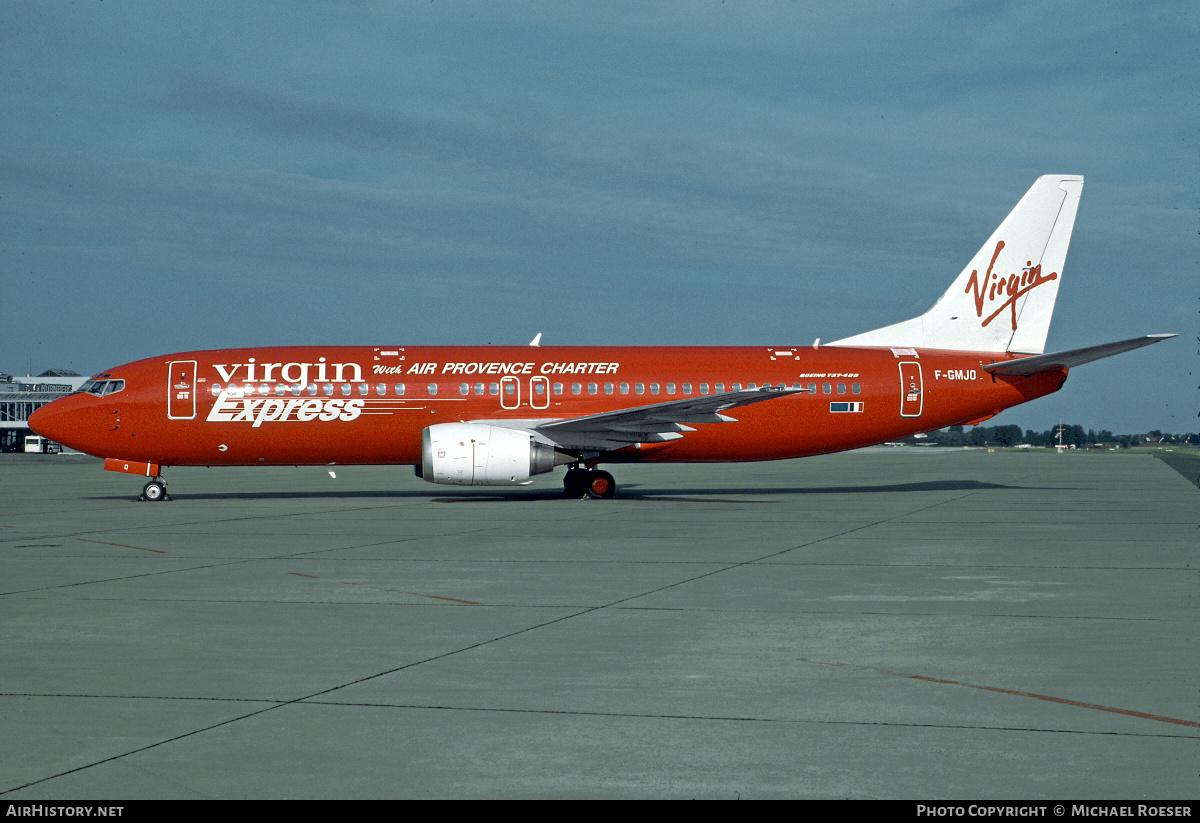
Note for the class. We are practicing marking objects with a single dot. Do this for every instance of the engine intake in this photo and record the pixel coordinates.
(478, 454)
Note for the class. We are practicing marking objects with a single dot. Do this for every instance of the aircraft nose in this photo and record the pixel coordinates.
(46, 421)
(59, 421)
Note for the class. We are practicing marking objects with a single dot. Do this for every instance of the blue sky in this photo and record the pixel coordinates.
(179, 176)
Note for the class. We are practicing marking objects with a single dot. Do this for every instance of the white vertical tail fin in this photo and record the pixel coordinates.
(1004, 298)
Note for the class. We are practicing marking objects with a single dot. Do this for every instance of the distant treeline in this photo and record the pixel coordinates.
(1065, 435)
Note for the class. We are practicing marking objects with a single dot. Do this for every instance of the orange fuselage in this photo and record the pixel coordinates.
(369, 405)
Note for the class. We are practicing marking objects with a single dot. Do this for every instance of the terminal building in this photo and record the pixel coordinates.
(19, 396)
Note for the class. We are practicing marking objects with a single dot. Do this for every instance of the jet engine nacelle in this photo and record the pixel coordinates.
(477, 454)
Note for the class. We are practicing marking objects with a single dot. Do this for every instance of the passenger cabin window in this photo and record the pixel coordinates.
(539, 388)
(719, 388)
(687, 388)
(558, 388)
(215, 388)
(639, 388)
(841, 388)
(432, 389)
(826, 388)
(591, 388)
(464, 389)
(703, 388)
(311, 389)
(624, 388)
(363, 390)
(654, 388)
(576, 388)
(399, 389)
(345, 390)
(736, 387)
(856, 388)
(670, 388)
(494, 388)
(328, 389)
(478, 388)
(608, 388)
(381, 389)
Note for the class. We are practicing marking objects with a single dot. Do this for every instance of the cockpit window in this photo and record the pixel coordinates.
(100, 388)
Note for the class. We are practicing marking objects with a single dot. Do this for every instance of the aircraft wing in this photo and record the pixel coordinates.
(1074, 357)
(655, 423)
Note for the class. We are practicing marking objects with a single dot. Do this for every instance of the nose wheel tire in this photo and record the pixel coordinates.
(155, 491)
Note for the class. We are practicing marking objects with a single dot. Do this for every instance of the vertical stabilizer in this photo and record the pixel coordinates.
(1004, 298)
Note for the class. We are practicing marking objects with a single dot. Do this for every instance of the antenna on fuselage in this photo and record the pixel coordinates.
(537, 341)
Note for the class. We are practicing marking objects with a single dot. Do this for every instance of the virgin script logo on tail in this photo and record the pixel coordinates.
(1007, 289)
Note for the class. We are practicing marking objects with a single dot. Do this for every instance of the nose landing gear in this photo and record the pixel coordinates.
(580, 482)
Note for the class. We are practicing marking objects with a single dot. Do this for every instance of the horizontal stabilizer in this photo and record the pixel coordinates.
(1075, 357)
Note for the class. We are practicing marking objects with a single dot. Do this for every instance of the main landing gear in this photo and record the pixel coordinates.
(580, 482)
(155, 490)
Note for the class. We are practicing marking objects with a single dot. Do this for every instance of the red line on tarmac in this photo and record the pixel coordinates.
(382, 589)
(1145, 716)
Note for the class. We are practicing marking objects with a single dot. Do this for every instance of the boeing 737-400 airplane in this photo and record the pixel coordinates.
(494, 415)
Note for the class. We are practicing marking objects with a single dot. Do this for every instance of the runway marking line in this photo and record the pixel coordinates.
(120, 545)
(382, 589)
(1144, 715)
